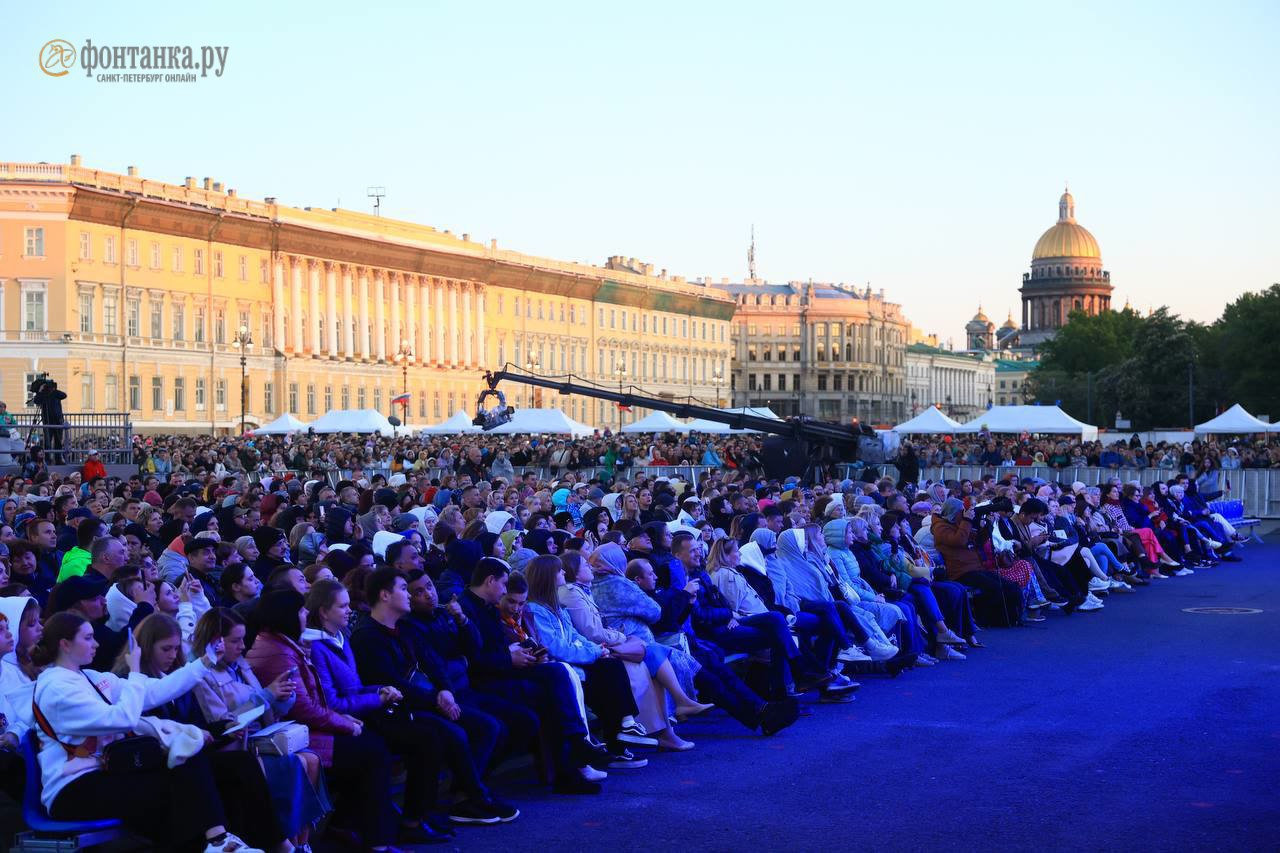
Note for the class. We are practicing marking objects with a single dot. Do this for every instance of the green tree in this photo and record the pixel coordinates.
(1242, 352)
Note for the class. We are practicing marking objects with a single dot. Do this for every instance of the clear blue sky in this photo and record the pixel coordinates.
(920, 147)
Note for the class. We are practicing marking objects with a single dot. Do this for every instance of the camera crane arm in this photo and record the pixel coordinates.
(843, 440)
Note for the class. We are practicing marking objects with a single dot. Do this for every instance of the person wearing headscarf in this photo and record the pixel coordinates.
(339, 526)
(541, 542)
(812, 580)
(461, 556)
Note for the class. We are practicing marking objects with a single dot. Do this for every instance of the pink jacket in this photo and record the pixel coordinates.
(273, 654)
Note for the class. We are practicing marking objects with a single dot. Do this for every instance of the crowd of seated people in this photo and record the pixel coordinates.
(1202, 458)
(290, 647)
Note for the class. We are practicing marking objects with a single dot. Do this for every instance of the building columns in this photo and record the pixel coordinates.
(466, 325)
(411, 314)
(363, 274)
(348, 319)
(332, 319)
(277, 304)
(481, 354)
(379, 315)
(453, 333)
(424, 325)
(438, 286)
(313, 301)
(393, 281)
(295, 304)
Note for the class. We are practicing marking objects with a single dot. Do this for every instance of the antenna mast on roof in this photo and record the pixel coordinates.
(377, 194)
(751, 256)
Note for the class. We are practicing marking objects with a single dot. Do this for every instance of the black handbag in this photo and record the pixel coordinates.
(133, 754)
(130, 754)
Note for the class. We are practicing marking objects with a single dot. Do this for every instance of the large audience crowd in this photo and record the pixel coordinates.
(226, 658)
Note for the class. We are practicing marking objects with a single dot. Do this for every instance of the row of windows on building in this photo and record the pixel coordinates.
(784, 352)
(200, 325)
(637, 321)
(835, 382)
(155, 256)
(172, 396)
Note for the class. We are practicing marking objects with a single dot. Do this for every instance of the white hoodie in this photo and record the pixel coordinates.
(76, 712)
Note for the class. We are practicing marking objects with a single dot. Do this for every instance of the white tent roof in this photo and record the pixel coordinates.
(1050, 420)
(657, 422)
(460, 422)
(282, 425)
(931, 420)
(1234, 420)
(539, 421)
(353, 420)
(715, 428)
(758, 411)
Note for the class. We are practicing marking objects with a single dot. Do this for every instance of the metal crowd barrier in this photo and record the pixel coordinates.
(110, 433)
(1257, 488)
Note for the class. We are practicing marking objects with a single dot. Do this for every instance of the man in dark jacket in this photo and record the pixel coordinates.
(713, 620)
(510, 672)
(391, 649)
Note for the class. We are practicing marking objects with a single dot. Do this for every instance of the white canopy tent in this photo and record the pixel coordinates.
(354, 420)
(460, 422)
(542, 421)
(1234, 421)
(931, 421)
(758, 411)
(1048, 420)
(282, 425)
(715, 428)
(657, 422)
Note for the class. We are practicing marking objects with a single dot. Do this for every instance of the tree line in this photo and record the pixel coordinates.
(1161, 371)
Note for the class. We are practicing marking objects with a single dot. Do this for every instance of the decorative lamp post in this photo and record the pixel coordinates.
(243, 340)
(533, 365)
(717, 379)
(621, 372)
(404, 356)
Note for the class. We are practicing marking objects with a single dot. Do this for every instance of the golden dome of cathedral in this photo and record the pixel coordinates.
(1066, 239)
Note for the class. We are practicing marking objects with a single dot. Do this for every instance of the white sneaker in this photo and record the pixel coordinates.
(1091, 603)
(852, 655)
(949, 653)
(1121, 585)
(1183, 572)
(1213, 543)
(591, 774)
(881, 651)
(231, 844)
(1098, 585)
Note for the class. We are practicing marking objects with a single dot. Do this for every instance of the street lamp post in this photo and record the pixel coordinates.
(243, 340)
(533, 365)
(404, 356)
(949, 409)
(621, 372)
(717, 379)
(913, 403)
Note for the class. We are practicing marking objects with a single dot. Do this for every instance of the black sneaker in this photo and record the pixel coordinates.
(423, 833)
(504, 811)
(626, 760)
(776, 716)
(472, 811)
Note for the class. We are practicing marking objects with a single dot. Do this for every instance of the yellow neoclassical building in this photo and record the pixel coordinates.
(135, 295)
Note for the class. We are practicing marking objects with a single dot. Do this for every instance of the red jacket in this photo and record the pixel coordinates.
(273, 654)
(93, 468)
